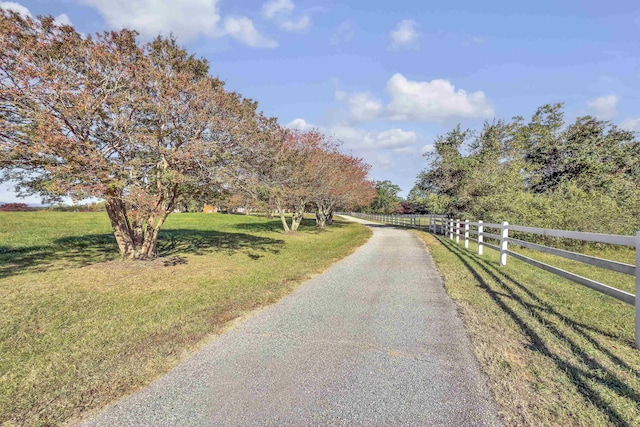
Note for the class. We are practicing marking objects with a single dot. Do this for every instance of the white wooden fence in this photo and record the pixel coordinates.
(499, 233)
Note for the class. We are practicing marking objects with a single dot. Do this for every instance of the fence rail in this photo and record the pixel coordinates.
(459, 229)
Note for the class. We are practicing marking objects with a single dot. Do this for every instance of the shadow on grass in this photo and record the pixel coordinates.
(506, 287)
(308, 225)
(78, 251)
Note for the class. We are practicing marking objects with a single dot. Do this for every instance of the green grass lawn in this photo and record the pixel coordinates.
(79, 327)
(555, 353)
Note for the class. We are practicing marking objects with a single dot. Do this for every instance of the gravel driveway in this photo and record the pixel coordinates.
(375, 340)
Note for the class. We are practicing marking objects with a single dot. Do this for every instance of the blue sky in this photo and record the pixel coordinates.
(386, 78)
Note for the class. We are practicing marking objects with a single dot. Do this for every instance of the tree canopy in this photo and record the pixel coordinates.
(387, 200)
(145, 127)
(583, 175)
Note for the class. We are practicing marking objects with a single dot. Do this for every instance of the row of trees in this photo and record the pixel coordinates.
(145, 127)
(579, 176)
(304, 169)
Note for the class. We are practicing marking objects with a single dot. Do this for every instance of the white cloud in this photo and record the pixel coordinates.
(61, 19)
(280, 11)
(344, 33)
(16, 7)
(631, 124)
(427, 149)
(296, 25)
(605, 106)
(242, 29)
(186, 19)
(378, 148)
(363, 106)
(423, 101)
(434, 100)
(300, 124)
(273, 8)
(405, 34)
(362, 139)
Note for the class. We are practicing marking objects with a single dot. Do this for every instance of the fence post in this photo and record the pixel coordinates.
(638, 289)
(466, 234)
(450, 227)
(457, 230)
(503, 243)
(480, 237)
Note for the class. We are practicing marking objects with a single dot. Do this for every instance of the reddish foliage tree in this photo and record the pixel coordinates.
(341, 183)
(406, 208)
(283, 166)
(139, 126)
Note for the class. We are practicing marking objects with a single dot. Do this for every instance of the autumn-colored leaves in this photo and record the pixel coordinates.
(144, 125)
(306, 170)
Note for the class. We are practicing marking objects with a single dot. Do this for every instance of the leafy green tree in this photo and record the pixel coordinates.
(387, 200)
(580, 176)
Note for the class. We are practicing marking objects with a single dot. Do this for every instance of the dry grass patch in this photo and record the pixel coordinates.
(556, 353)
(80, 328)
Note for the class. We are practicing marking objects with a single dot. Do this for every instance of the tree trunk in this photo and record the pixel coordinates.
(324, 214)
(298, 215)
(330, 217)
(321, 219)
(122, 230)
(296, 220)
(134, 241)
(150, 244)
(285, 226)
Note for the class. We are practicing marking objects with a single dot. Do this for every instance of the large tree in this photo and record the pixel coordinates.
(138, 125)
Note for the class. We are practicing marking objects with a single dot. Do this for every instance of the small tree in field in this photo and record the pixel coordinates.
(139, 126)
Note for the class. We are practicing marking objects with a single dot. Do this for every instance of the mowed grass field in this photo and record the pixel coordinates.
(79, 327)
(555, 353)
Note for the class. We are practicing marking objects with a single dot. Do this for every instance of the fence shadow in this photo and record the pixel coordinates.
(505, 287)
(79, 251)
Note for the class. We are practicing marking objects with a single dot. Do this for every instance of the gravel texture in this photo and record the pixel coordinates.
(375, 340)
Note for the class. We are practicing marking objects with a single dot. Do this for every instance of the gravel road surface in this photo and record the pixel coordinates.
(375, 340)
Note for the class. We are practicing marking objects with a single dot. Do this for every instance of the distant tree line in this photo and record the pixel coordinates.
(583, 175)
(145, 128)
